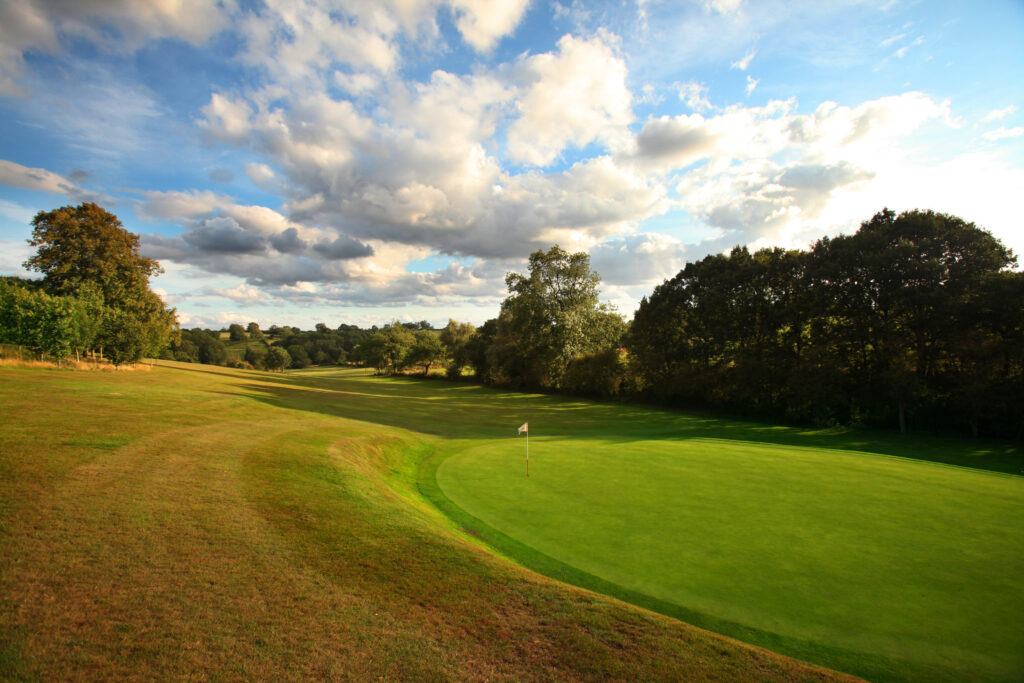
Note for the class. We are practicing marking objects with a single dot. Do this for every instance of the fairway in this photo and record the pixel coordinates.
(910, 568)
(260, 526)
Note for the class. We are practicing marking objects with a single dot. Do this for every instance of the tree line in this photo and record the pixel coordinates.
(916, 319)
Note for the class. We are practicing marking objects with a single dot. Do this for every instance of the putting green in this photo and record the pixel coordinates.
(910, 567)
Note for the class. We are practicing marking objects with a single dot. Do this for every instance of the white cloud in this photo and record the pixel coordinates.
(695, 96)
(483, 22)
(727, 7)
(572, 97)
(751, 84)
(997, 114)
(357, 83)
(1002, 133)
(743, 63)
(640, 259)
(298, 43)
(12, 255)
(260, 174)
(902, 52)
(226, 119)
(39, 179)
(241, 293)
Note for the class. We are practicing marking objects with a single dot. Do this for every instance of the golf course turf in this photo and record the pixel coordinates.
(190, 521)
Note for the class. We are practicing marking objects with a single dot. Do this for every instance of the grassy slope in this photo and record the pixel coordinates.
(201, 523)
(888, 567)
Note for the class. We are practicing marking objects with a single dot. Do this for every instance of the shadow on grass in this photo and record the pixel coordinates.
(461, 411)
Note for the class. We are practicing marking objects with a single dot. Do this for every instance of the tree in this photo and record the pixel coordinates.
(122, 336)
(300, 357)
(255, 357)
(85, 243)
(549, 318)
(456, 336)
(85, 246)
(254, 332)
(236, 333)
(210, 349)
(277, 359)
(387, 350)
(426, 350)
(477, 346)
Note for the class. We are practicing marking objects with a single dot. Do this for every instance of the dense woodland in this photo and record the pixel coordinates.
(915, 321)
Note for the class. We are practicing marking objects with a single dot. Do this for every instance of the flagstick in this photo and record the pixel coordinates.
(527, 453)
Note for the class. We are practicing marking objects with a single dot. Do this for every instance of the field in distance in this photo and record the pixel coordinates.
(193, 520)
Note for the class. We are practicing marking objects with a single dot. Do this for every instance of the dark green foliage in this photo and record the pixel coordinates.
(456, 336)
(200, 346)
(236, 333)
(426, 350)
(476, 348)
(87, 257)
(601, 374)
(300, 359)
(255, 357)
(388, 350)
(913, 318)
(277, 359)
(550, 318)
(123, 337)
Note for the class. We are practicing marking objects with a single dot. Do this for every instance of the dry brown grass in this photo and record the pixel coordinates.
(169, 526)
(68, 364)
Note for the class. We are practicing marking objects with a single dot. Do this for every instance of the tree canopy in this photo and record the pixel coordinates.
(85, 243)
(550, 317)
(86, 256)
(916, 316)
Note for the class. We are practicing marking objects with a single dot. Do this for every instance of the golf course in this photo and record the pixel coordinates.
(193, 521)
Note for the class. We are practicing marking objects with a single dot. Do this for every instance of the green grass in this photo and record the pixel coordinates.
(198, 522)
(883, 566)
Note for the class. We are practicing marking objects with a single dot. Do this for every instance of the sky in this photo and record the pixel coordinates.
(305, 161)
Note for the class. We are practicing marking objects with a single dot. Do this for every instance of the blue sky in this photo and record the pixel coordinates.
(306, 161)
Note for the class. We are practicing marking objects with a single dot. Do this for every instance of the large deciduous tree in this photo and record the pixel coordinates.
(85, 243)
(83, 251)
(550, 317)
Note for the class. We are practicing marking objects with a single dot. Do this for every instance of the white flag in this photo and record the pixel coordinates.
(523, 428)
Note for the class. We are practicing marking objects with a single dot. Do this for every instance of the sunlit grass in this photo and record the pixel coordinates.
(196, 522)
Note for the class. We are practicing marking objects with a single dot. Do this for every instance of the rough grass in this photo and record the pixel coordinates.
(202, 523)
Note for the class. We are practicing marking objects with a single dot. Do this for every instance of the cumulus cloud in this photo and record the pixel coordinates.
(639, 259)
(742, 133)
(483, 22)
(44, 24)
(257, 242)
(226, 119)
(571, 97)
